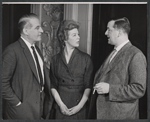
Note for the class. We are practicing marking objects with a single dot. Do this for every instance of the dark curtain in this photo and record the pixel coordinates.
(11, 14)
(137, 15)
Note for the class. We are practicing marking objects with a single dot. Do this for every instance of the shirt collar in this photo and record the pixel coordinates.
(27, 43)
(121, 45)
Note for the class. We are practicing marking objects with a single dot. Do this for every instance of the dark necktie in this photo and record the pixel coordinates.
(108, 59)
(38, 67)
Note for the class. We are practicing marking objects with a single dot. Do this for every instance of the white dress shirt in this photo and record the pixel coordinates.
(39, 58)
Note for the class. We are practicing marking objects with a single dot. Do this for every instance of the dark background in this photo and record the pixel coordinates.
(10, 16)
(136, 13)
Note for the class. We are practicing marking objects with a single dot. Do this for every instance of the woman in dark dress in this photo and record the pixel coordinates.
(71, 75)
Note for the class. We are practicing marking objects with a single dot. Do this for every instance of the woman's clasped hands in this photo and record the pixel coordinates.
(70, 111)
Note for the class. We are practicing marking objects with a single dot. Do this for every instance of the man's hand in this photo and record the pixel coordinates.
(102, 88)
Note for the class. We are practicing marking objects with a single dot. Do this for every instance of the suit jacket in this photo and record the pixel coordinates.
(20, 83)
(126, 76)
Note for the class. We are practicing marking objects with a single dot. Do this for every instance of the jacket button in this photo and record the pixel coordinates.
(72, 80)
(67, 70)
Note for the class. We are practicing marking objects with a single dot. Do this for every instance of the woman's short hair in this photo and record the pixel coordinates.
(123, 23)
(64, 27)
(24, 20)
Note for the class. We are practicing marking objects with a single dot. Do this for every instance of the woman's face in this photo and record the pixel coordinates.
(73, 38)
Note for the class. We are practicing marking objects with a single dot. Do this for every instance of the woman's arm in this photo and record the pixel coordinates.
(88, 81)
(56, 97)
(63, 107)
(82, 102)
(54, 86)
(84, 97)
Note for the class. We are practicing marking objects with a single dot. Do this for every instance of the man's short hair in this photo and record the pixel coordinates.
(24, 20)
(122, 23)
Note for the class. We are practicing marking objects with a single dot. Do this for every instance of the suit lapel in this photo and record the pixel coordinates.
(73, 55)
(115, 61)
(118, 57)
(101, 72)
(98, 75)
(29, 57)
(71, 58)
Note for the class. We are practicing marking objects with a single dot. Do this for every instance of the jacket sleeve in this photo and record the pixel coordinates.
(48, 101)
(53, 78)
(135, 87)
(88, 75)
(9, 61)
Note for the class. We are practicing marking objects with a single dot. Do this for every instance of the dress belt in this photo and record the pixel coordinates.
(71, 88)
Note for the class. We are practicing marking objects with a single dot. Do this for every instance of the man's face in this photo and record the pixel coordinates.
(35, 31)
(73, 38)
(111, 33)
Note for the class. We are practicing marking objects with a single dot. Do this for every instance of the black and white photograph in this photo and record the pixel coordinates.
(75, 61)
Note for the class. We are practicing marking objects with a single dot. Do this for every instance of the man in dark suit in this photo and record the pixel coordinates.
(24, 75)
(121, 80)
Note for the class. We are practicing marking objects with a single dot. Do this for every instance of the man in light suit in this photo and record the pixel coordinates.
(22, 89)
(121, 81)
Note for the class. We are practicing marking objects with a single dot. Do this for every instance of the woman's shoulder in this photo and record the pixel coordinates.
(83, 54)
(57, 55)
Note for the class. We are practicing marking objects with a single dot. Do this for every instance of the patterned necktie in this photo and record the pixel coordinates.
(38, 67)
(108, 59)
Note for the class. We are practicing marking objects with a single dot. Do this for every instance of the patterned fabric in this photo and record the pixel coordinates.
(70, 80)
(126, 76)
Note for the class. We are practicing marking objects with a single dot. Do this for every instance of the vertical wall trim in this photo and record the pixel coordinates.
(40, 12)
(37, 9)
(89, 32)
(75, 12)
(40, 17)
(67, 11)
(71, 11)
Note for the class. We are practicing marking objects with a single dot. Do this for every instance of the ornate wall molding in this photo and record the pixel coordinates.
(52, 15)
